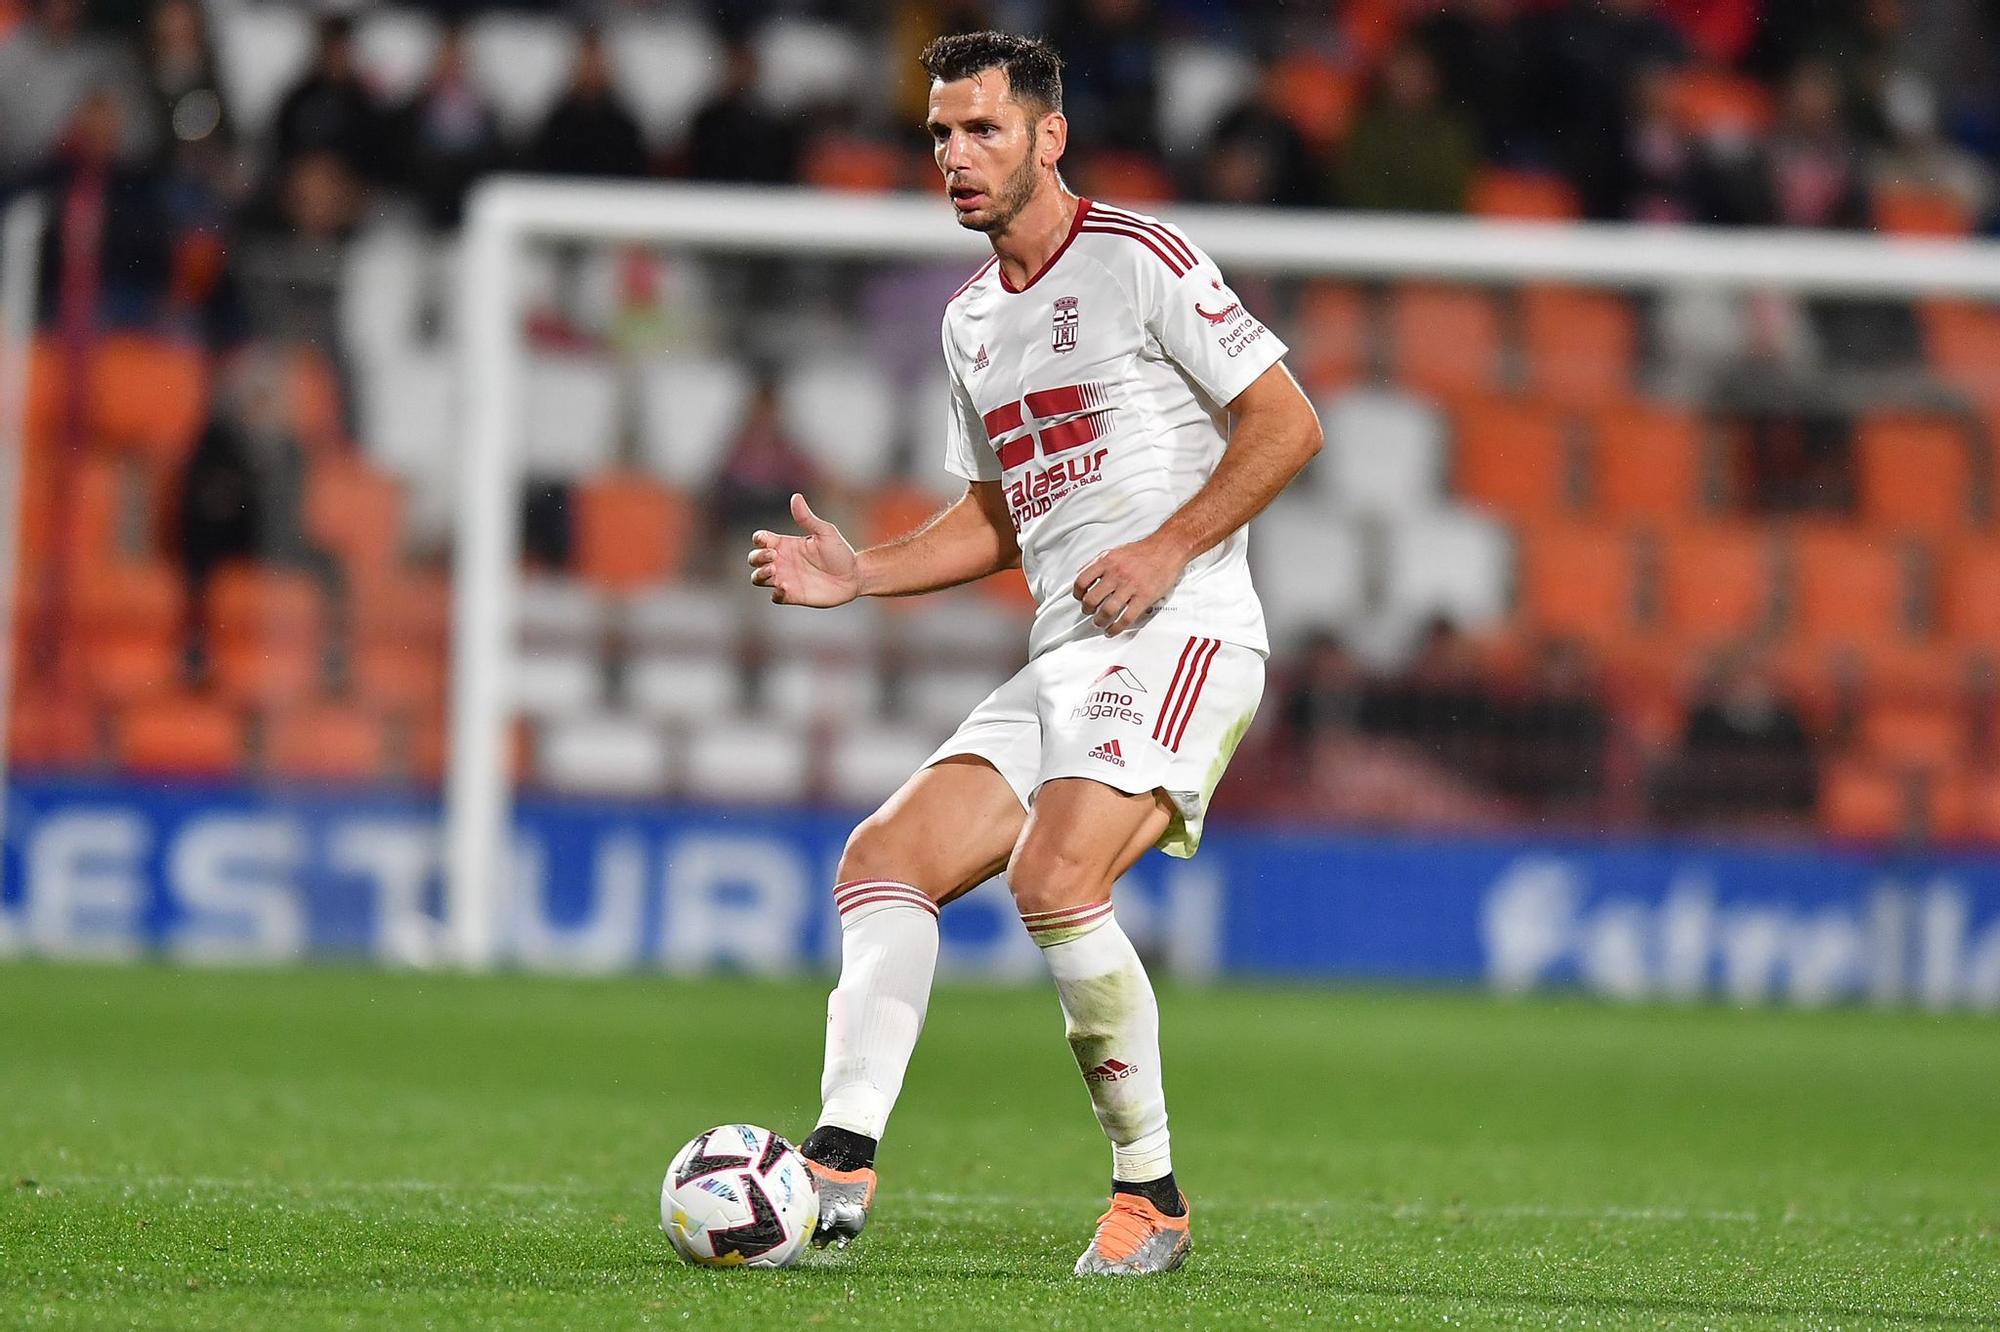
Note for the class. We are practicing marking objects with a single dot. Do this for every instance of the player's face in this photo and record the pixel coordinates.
(985, 143)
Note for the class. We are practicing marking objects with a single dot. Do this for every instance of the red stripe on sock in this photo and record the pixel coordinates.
(1044, 927)
(856, 885)
(907, 899)
(1063, 911)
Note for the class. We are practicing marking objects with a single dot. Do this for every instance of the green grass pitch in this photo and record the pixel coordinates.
(334, 1148)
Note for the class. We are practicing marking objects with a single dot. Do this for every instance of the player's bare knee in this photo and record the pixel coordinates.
(877, 849)
(1045, 878)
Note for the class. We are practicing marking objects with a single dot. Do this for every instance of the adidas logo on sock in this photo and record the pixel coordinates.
(1111, 1070)
(1109, 752)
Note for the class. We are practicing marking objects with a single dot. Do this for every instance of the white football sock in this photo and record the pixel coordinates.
(888, 954)
(1113, 1024)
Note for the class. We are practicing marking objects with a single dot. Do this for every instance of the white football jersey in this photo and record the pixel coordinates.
(1097, 394)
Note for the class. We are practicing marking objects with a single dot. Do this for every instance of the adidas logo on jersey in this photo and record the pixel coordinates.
(980, 361)
(1111, 1070)
(1110, 753)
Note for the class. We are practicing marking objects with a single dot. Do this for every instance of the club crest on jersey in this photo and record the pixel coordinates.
(1062, 328)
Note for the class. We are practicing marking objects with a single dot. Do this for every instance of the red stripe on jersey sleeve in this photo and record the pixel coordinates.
(1167, 235)
(1179, 269)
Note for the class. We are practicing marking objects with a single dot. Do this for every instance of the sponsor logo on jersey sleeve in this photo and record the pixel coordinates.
(1236, 329)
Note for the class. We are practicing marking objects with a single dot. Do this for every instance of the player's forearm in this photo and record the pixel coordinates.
(959, 545)
(1265, 452)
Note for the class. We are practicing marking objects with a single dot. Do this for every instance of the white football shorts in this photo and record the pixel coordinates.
(1160, 709)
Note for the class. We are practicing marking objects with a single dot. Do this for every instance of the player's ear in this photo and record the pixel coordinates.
(1054, 135)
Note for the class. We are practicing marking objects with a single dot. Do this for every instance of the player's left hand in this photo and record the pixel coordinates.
(1124, 585)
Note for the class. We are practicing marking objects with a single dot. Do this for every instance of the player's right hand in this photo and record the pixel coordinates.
(817, 569)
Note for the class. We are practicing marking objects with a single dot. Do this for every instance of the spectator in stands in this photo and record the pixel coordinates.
(1255, 155)
(290, 262)
(1586, 57)
(1744, 751)
(1553, 734)
(1440, 703)
(120, 279)
(333, 110)
(589, 131)
(1813, 168)
(243, 493)
(1481, 52)
(448, 134)
(193, 131)
(1661, 166)
(1325, 691)
(1407, 151)
(1111, 80)
(49, 65)
(1918, 159)
(764, 469)
(735, 137)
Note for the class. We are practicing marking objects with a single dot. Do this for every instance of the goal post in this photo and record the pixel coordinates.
(508, 214)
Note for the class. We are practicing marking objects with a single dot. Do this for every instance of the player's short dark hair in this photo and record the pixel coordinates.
(1034, 70)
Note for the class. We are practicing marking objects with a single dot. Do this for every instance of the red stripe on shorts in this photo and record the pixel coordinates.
(1194, 695)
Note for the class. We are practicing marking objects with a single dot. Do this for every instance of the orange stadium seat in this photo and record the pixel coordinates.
(899, 508)
(149, 394)
(121, 665)
(1127, 178)
(313, 389)
(1578, 581)
(326, 743)
(266, 668)
(129, 597)
(410, 607)
(399, 675)
(1513, 456)
(1333, 336)
(1970, 594)
(1715, 583)
(51, 729)
(97, 529)
(1711, 101)
(1579, 346)
(847, 162)
(1647, 463)
(1444, 340)
(1848, 587)
(356, 511)
(1904, 211)
(252, 601)
(180, 735)
(1915, 473)
(1913, 734)
(1521, 196)
(1983, 806)
(1861, 800)
(631, 531)
(1314, 94)
(1963, 341)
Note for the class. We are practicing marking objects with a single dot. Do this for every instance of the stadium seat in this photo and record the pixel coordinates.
(690, 408)
(1983, 807)
(1647, 464)
(1578, 346)
(1521, 196)
(182, 735)
(962, 628)
(104, 494)
(603, 755)
(1907, 733)
(560, 612)
(356, 512)
(521, 63)
(1849, 587)
(1315, 94)
(866, 764)
(1199, 82)
(253, 601)
(318, 410)
(572, 416)
(1962, 339)
(1384, 453)
(1861, 800)
(1714, 103)
(261, 53)
(1310, 567)
(1332, 336)
(51, 730)
(1915, 474)
(1444, 340)
(687, 615)
(665, 67)
(940, 697)
(817, 689)
(1904, 211)
(399, 676)
(803, 63)
(1451, 563)
(123, 596)
(1513, 456)
(124, 665)
(1715, 583)
(1579, 582)
(327, 742)
(406, 606)
(684, 686)
(269, 669)
(842, 411)
(853, 631)
(149, 395)
(395, 49)
(758, 762)
(898, 508)
(854, 163)
(1970, 594)
(1129, 179)
(630, 531)
(555, 682)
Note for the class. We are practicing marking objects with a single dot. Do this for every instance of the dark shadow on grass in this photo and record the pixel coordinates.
(1689, 1304)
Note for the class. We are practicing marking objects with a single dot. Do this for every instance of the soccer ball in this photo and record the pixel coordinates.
(739, 1196)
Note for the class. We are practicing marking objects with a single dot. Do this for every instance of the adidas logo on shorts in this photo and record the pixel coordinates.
(1109, 752)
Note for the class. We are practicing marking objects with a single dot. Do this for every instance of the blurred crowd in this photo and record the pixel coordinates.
(172, 217)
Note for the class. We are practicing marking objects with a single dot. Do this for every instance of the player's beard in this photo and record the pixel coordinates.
(1015, 193)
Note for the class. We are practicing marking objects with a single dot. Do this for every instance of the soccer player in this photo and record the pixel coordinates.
(1118, 417)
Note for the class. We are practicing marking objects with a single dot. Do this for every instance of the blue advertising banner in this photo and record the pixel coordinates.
(232, 874)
